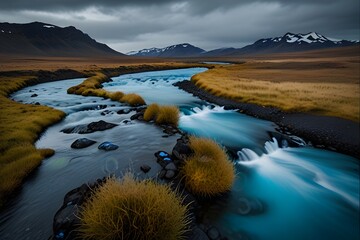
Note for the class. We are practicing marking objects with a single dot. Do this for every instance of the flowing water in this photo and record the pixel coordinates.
(279, 193)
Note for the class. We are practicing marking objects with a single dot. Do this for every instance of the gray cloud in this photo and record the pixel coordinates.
(129, 25)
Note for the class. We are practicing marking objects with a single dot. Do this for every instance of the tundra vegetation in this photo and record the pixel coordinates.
(320, 87)
(21, 124)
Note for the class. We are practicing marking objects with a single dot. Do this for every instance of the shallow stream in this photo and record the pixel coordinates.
(300, 193)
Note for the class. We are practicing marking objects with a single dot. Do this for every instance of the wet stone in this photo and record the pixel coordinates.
(82, 143)
(108, 146)
(145, 168)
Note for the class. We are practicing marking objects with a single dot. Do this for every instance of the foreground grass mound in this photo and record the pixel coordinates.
(92, 87)
(129, 209)
(21, 125)
(208, 172)
(162, 114)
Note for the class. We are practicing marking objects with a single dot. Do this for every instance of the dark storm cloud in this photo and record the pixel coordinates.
(196, 5)
(133, 24)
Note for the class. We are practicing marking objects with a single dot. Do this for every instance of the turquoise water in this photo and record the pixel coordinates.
(299, 193)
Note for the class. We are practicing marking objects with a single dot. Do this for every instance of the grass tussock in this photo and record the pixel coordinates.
(162, 114)
(133, 99)
(298, 87)
(129, 209)
(21, 124)
(208, 172)
(92, 87)
(151, 112)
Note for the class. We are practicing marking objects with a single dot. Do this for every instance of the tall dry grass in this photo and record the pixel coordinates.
(129, 209)
(21, 124)
(326, 89)
(208, 172)
(162, 114)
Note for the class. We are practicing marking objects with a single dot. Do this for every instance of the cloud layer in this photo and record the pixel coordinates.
(131, 25)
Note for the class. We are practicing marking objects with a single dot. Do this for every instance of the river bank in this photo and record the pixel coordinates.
(332, 133)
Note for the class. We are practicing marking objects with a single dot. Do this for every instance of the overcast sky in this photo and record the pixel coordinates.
(127, 25)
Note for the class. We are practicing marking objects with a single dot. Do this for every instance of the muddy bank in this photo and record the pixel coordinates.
(332, 133)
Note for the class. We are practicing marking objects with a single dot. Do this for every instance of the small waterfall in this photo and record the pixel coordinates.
(271, 147)
(248, 155)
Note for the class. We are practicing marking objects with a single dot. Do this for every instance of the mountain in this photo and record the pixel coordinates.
(179, 50)
(42, 39)
(290, 42)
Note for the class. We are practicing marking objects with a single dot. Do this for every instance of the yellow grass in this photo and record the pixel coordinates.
(92, 87)
(151, 112)
(129, 209)
(21, 124)
(162, 114)
(327, 88)
(133, 99)
(208, 172)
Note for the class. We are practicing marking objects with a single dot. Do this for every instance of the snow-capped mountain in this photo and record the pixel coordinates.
(291, 42)
(179, 50)
(43, 39)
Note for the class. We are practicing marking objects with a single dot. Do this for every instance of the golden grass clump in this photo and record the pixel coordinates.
(208, 172)
(168, 115)
(129, 209)
(151, 112)
(162, 114)
(116, 96)
(133, 99)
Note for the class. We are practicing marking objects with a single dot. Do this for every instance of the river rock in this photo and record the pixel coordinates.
(171, 166)
(89, 128)
(170, 174)
(137, 116)
(34, 95)
(82, 143)
(181, 150)
(65, 222)
(125, 110)
(163, 158)
(145, 168)
(108, 146)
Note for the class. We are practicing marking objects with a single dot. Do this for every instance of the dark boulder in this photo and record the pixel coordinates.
(82, 143)
(108, 146)
(181, 150)
(89, 128)
(65, 222)
(100, 126)
(126, 110)
(34, 95)
(213, 233)
(137, 116)
(170, 174)
(145, 168)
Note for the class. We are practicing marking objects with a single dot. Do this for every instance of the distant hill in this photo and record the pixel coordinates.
(179, 50)
(290, 42)
(42, 39)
